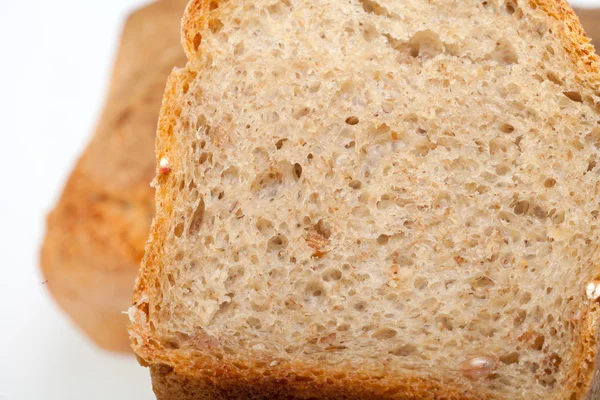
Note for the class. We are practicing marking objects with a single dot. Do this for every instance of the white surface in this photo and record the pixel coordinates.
(54, 65)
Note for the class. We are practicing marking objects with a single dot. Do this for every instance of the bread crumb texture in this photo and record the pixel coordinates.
(404, 189)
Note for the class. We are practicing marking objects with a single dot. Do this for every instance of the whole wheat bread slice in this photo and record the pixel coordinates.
(97, 230)
(375, 199)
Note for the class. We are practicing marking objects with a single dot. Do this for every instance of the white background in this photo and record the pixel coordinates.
(55, 61)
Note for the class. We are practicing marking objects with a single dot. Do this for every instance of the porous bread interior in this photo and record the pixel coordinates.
(378, 183)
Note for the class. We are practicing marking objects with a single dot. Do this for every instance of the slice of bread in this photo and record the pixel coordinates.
(96, 233)
(375, 199)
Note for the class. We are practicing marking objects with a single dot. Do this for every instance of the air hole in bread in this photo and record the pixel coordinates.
(332, 274)
(404, 350)
(385, 202)
(196, 41)
(197, 218)
(355, 184)
(279, 9)
(591, 164)
(498, 145)
(179, 256)
(384, 334)
(264, 226)
(173, 345)
(314, 198)
(303, 112)
(230, 175)
(297, 171)
(315, 289)
(574, 96)
(510, 358)
(521, 207)
(277, 243)
(205, 157)
(215, 25)
(369, 31)
(213, 5)
(343, 327)
(352, 120)
(482, 189)
(504, 53)
(277, 274)
(482, 282)
(538, 343)
(372, 7)
(217, 193)
(554, 78)
(171, 279)
(323, 229)
(421, 283)
(360, 306)
(510, 7)
(383, 239)
(558, 218)
(280, 142)
(425, 44)
(254, 322)
(507, 128)
(178, 231)
(550, 182)
(506, 216)
(525, 298)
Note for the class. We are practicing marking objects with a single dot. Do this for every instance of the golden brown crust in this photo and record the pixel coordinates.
(223, 384)
(97, 231)
(566, 26)
(193, 24)
(180, 376)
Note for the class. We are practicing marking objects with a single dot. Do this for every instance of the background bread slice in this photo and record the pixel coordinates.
(96, 233)
(378, 200)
